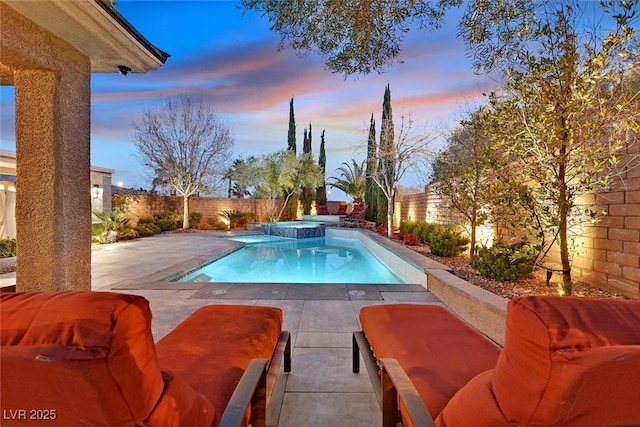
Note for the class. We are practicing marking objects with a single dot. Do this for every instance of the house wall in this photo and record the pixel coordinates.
(609, 254)
(52, 109)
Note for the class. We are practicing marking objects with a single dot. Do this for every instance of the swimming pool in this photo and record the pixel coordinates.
(266, 259)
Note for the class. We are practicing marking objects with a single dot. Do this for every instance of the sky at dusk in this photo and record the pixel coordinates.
(231, 61)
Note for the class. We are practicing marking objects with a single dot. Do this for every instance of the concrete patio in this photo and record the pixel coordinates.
(321, 390)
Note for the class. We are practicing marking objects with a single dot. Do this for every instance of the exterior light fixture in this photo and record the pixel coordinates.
(96, 192)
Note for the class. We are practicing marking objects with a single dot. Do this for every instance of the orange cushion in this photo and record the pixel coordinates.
(473, 405)
(180, 405)
(432, 345)
(212, 348)
(570, 361)
(89, 355)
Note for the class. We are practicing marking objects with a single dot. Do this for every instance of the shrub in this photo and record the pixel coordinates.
(444, 240)
(411, 239)
(507, 262)
(7, 248)
(147, 229)
(235, 218)
(408, 227)
(194, 219)
(167, 224)
(145, 220)
(114, 226)
(166, 221)
(382, 230)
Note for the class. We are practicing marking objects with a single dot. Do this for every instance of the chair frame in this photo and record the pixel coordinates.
(256, 386)
(389, 381)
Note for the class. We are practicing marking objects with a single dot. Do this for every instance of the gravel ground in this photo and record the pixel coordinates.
(534, 286)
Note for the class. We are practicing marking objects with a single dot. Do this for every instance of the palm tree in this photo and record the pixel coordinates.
(352, 180)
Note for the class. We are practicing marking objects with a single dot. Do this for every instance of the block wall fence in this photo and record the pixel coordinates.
(139, 206)
(609, 250)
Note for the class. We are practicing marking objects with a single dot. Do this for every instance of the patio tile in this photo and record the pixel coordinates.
(291, 309)
(261, 291)
(409, 297)
(330, 409)
(328, 316)
(324, 339)
(402, 288)
(212, 290)
(318, 292)
(319, 370)
(363, 292)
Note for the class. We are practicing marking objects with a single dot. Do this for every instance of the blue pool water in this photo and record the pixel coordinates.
(266, 259)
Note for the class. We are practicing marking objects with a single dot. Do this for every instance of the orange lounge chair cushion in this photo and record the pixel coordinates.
(238, 333)
(88, 355)
(432, 345)
(570, 361)
(180, 405)
(473, 405)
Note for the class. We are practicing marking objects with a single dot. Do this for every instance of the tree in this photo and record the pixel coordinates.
(291, 135)
(386, 146)
(565, 112)
(372, 192)
(354, 37)
(408, 152)
(321, 191)
(186, 144)
(283, 175)
(242, 175)
(307, 191)
(351, 181)
(474, 178)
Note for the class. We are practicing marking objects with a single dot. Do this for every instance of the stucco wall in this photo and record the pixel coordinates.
(52, 86)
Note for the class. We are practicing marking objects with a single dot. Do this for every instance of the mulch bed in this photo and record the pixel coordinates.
(534, 286)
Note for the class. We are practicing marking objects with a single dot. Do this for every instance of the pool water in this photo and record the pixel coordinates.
(312, 260)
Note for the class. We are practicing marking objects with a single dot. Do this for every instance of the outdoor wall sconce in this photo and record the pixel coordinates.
(96, 192)
(124, 70)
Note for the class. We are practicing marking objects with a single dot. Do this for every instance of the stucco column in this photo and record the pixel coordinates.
(53, 206)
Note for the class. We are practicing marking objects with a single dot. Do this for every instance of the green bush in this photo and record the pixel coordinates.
(408, 227)
(7, 248)
(194, 219)
(166, 221)
(443, 240)
(507, 262)
(147, 229)
(145, 220)
(114, 226)
(167, 224)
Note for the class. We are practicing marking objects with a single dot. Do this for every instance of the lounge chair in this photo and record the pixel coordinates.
(342, 210)
(322, 210)
(358, 213)
(88, 358)
(566, 362)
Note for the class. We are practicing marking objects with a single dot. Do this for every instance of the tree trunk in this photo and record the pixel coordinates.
(563, 212)
(472, 249)
(185, 210)
(390, 218)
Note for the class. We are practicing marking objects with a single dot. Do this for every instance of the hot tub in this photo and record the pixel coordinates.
(294, 229)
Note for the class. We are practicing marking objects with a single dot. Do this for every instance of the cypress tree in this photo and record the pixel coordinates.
(306, 144)
(307, 192)
(291, 136)
(386, 147)
(321, 192)
(372, 189)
